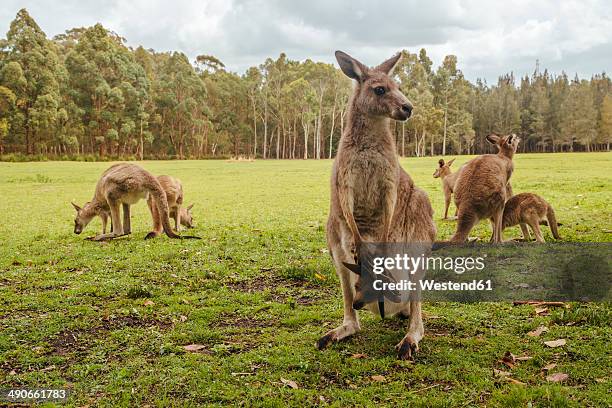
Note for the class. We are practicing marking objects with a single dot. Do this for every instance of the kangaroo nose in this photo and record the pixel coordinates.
(407, 108)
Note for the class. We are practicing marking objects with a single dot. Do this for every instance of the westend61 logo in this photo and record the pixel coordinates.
(482, 272)
(411, 265)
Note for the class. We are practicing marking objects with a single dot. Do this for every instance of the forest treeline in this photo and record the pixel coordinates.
(85, 94)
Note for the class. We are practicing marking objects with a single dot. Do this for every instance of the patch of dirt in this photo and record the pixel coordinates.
(304, 292)
(69, 341)
(241, 346)
(230, 320)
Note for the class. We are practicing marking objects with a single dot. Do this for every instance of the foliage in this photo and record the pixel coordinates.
(86, 93)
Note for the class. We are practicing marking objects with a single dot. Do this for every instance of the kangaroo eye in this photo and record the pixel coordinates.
(379, 90)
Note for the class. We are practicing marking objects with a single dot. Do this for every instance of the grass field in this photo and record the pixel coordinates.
(110, 320)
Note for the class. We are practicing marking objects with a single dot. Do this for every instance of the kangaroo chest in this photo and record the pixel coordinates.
(374, 179)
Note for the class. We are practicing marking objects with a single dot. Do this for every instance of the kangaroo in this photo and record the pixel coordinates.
(186, 216)
(483, 187)
(104, 216)
(174, 195)
(372, 198)
(448, 178)
(123, 184)
(530, 209)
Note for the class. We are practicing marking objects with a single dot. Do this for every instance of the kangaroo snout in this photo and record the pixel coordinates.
(403, 110)
(407, 108)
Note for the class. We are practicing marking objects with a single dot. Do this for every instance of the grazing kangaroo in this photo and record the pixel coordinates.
(530, 209)
(104, 216)
(186, 216)
(448, 178)
(123, 184)
(174, 195)
(372, 198)
(483, 187)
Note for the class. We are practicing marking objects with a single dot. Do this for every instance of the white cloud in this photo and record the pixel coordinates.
(489, 38)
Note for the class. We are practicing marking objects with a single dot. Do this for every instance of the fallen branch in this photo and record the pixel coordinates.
(538, 303)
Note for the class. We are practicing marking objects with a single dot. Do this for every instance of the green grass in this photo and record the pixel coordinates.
(77, 314)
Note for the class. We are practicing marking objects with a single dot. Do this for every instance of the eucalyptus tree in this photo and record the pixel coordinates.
(30, 70)
(110, 88)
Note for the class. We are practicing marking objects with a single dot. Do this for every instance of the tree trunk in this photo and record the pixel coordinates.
(342, 114)
(305, 126)
(331, 133)
(141, 142)
(444, 137)
(320, 124)
(265, 141)
(254, 128)
(278, 135)
(431, 150)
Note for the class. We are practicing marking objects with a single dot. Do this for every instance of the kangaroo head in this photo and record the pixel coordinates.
(506, 145)
(187, 217)
(364, 288)
(376, 93)
(84, 215)
(444, 168)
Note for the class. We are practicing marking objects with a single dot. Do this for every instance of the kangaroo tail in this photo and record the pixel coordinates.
(161, 201)
(552, 222)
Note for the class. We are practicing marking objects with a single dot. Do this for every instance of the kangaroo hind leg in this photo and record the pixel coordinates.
(350, 322)
(127, 224)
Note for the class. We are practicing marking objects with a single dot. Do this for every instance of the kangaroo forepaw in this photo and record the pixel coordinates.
(325, 341)
(151, 235)
(336, 335)
(407, 348)
(104, 237)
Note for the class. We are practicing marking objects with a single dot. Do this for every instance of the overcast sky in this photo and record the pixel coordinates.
(489, 37)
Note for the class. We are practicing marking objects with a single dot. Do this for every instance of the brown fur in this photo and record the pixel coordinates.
(174, 194)
(530, 209)
(123, 184)
(483, 187)
(372, 198)
(448, 178)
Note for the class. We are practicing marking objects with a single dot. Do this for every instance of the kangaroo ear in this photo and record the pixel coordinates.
(389, 65)
(493, 138)
(350, 66)
(441, 162)
(189, 207)
(76, 207)
(450, 162)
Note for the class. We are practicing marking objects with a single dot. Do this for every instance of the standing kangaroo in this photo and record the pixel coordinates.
(123, 185)
(174, 194)
(448, 178)
(483, 187)
(372, 198)
(530, 209)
